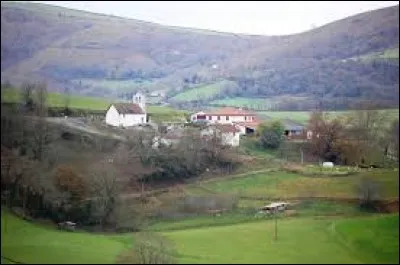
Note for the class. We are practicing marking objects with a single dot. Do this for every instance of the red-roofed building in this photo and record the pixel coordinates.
(224, 115)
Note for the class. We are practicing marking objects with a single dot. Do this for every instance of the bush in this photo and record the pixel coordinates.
(150, 248)
(368, 193)
(271, 134)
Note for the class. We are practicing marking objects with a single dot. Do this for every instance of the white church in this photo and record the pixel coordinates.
(127, 114)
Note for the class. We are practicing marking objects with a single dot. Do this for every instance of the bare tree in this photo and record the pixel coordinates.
(326, 132)
(67, 100)
(18, 178)
(392, 144)
(105, 192)
(27, 90)
(365, 129)
(41, 134)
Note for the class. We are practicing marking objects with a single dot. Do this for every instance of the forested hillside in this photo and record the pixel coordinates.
(337, 64)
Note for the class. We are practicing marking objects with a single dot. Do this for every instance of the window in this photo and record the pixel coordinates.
(219, 117)
(142, 120)
(245, 118)
(227, 118)
(209, 117)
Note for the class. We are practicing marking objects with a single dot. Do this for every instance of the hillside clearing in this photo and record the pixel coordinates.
(118, 86)
(201, 92)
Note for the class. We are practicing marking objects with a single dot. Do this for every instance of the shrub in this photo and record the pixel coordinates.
(368, 193)
(149, 248)
(271, 134)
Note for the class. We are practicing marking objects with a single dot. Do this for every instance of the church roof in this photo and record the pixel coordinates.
(128, 108)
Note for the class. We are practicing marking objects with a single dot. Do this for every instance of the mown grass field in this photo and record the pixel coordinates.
(200, 92)
(281, 184)
(300, 240)
(367, 239)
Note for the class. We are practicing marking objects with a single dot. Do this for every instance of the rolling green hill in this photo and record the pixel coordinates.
(107, 56)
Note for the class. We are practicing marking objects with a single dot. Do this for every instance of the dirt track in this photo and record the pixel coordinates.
(78, 124)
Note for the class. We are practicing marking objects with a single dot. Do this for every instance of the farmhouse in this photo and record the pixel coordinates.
(224, 115)
(127, 114)
(246, 121)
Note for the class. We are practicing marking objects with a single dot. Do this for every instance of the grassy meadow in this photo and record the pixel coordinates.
(300, 240)
(286, 185)
(319, 231)
(27, 242)
(58, 100)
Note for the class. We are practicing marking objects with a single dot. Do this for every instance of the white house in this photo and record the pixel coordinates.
(246, 120)
(224, 116)
(127, 114)
(228, 133)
